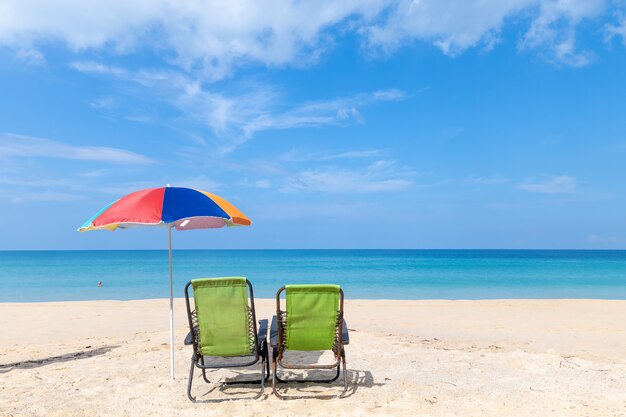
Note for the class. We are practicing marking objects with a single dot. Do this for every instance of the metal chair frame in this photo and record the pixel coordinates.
(261, 350)
(278, 348)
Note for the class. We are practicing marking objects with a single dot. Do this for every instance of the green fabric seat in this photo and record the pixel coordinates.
(222, 314)
(311, 322)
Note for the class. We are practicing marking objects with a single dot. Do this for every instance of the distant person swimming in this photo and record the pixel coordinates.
(99, 283)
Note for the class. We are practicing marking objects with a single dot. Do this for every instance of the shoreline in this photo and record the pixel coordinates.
(400, 300)
(351, 299)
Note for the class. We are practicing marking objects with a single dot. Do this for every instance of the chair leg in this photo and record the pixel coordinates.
(267, 362)
(204, 377)
(265, 373)
(345, 373)
(274, 377)
(262, 390)
(204, 373)
(193, 364)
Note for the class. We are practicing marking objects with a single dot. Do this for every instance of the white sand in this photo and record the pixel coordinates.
(432, 358)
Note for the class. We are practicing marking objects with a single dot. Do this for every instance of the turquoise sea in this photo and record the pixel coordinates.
(392, 274)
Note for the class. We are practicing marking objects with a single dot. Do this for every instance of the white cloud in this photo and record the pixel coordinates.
(212, 37)
(379, 176)
(554, 30)
(450, 25)
(25, 146)
(618, 29)
(455, 26)
(562, 184)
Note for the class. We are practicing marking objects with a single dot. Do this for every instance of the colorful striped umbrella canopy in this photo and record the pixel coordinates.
(168, 207)
(182, 208)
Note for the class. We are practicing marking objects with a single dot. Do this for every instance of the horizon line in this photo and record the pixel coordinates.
(320, 249)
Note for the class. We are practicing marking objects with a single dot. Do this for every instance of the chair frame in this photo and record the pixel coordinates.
(278, 349)
(261, 350)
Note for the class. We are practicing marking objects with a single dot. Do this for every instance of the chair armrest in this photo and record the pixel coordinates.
(274, 333)
(345, 337)
(262, 331)
(189, 339)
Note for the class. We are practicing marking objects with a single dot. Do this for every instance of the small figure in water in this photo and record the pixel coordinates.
(99, 283)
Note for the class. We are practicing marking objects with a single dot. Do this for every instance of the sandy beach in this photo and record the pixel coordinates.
(431, 358)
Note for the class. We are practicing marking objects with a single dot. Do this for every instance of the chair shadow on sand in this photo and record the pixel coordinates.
(357, 379)
(36, 363)
(233, 387)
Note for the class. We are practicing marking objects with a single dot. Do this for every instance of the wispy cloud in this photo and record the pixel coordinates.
(235, 118)
(95, 173)
(37, 182)
(562, 184)
(318, 113)
(605, 240)
(94, 67)
(103, 103)
(282, 211)
(25, 146)
(496, 180)
(264, 184)
(31, 56)
(48, 195)
(379, 176)
(201, 182)
(474, 180)
(139, 118)
(299, 156)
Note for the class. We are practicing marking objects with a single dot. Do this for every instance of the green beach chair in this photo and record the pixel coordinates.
(312, 321)
(223, 329)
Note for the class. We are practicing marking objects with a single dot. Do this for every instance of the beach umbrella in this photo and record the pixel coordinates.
(167, 207)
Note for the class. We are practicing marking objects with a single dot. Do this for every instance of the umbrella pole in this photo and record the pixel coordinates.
(169, 232)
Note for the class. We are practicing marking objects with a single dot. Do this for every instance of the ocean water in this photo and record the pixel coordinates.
(379, 274)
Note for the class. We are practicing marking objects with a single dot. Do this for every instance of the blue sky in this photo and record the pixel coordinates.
(364, 124)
